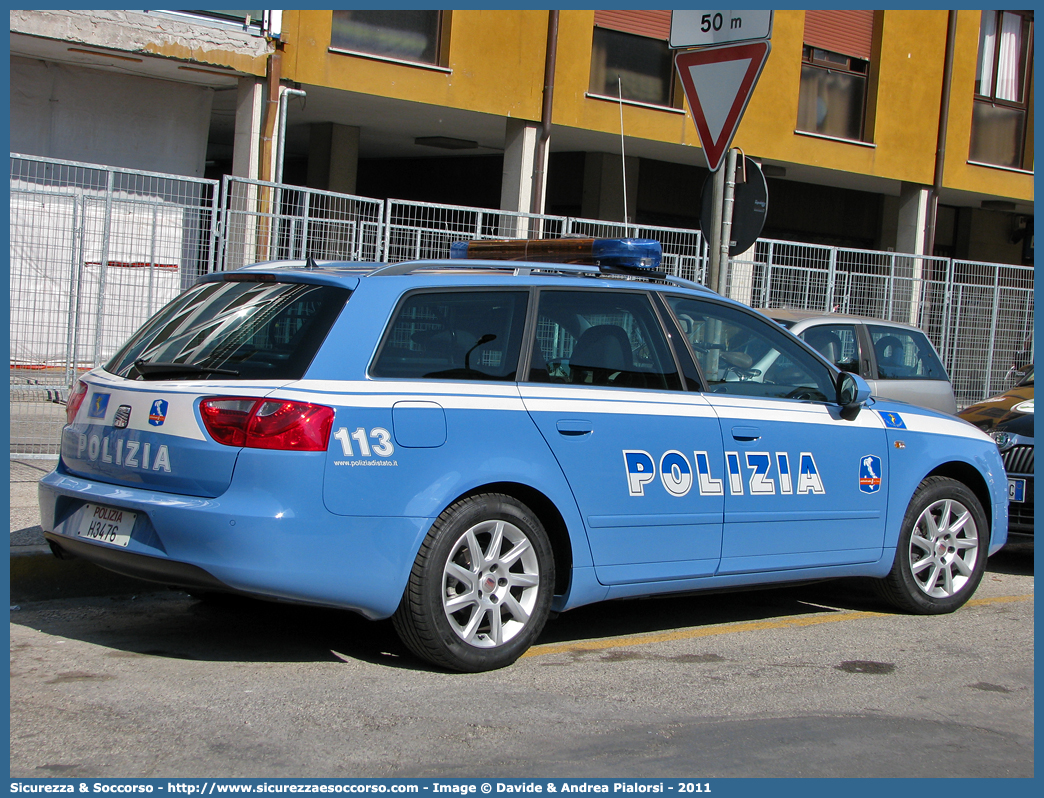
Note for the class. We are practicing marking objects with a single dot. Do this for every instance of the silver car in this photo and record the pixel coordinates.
(896, 359)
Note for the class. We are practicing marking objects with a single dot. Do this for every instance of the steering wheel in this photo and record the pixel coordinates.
(740, 364)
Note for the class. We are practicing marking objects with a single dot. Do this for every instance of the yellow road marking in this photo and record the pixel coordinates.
(731, 628)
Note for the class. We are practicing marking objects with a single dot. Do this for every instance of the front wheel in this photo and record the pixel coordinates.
(941, 554)
(481, 587)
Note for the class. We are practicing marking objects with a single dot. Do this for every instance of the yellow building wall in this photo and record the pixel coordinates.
(496, 58)
(959, 174)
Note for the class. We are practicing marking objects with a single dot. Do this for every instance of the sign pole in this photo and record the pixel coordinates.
(726, 221)
(718, 78)
(714, 233)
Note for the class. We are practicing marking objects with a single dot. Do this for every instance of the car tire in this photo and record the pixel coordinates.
(942, 549)
(480, 589)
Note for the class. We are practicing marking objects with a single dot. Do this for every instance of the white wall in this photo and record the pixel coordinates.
(78, 114)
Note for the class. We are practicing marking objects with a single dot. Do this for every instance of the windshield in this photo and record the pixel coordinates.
(237, 330)
(1028, 378)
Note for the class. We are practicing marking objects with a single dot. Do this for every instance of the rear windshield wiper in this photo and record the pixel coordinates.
(163, 368)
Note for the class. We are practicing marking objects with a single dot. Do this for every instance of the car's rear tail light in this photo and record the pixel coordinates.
(76, 397)
(267, 423)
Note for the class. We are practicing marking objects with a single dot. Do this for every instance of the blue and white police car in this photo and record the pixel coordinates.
(467, 445)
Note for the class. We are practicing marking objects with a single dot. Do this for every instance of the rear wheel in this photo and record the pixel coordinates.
(941, 554)
(481, 587)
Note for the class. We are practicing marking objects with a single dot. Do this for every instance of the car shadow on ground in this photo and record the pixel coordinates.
(176, 625)
(1015, 559)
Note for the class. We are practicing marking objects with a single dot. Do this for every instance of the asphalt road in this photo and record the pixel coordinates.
(810, 681)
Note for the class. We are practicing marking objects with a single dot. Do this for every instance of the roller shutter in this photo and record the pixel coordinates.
(654, 24)
(850, 33)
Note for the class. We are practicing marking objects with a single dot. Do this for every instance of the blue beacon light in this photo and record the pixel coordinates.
(631, 254)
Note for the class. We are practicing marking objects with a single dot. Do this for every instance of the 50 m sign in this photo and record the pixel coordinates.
(691, 28)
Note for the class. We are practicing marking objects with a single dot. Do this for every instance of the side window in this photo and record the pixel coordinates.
(742, 354)
(643, 65)
(1002, 114)
(838, 343)
(413, 35)
(442, 335)
(836, 74)
(601, 338)
(904, 355)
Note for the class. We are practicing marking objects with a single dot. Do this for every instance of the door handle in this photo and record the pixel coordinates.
(575, 427)
(746, 433)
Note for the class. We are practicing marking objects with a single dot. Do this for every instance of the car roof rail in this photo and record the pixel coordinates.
(515, 267)
(526, 268)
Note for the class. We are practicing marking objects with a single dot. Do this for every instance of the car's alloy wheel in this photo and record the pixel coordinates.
(480, 589)
(942, 549)
(490, 583)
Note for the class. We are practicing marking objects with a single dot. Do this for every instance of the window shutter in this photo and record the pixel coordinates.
(654, 24)
(850, 33)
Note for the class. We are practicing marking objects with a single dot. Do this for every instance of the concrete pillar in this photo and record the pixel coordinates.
(603, 187)
(521, 139)
(741, 276)
(247, 242)
(913, 220)
(333, 157)
(246, 153)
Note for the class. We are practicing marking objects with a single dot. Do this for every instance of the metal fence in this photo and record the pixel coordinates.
(415, 230)
(978, 315)
(95, 251)
(269, 221)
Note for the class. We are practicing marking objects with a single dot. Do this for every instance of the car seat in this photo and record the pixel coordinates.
(600, 354)
(826, 343)
(890, 357)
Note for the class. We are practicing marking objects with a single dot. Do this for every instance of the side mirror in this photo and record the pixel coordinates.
(852, 393)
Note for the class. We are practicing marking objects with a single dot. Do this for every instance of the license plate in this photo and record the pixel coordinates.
(106, 524)
(1017, 490)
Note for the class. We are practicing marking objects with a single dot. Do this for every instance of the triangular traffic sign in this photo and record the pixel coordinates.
(718, 83)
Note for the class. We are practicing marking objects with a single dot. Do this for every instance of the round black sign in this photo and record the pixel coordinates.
(749, 208)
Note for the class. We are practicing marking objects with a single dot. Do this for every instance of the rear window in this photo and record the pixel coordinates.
(444, 335)
(233, 330)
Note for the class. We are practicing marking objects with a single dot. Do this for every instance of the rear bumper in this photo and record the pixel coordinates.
(246, 541)
(138, 566)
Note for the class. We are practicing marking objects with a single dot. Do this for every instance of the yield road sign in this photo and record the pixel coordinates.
(718, 83)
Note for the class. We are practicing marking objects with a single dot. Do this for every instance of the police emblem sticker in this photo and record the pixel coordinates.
(892, 420)
(99, 405)
(870, 473)
(122, 417)
(158, 413)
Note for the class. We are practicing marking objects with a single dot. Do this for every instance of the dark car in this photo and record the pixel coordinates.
(1008, 419)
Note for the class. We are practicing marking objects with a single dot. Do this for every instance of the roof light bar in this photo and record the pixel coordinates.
(637, 254)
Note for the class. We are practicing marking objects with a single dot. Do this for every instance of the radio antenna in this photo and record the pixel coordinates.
(623, 161)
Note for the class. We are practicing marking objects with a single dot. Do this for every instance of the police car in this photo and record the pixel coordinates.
(468, 445)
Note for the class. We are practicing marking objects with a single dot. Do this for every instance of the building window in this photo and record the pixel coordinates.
(833, 94)
(241, 17)
(835, 72)
(405, 35)
(1001, 111)
(630, 56)
(257, 22)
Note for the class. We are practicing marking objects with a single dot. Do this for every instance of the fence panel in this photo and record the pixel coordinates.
(422, 230)
(94, 252)
(269, 221)
(991, 325)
